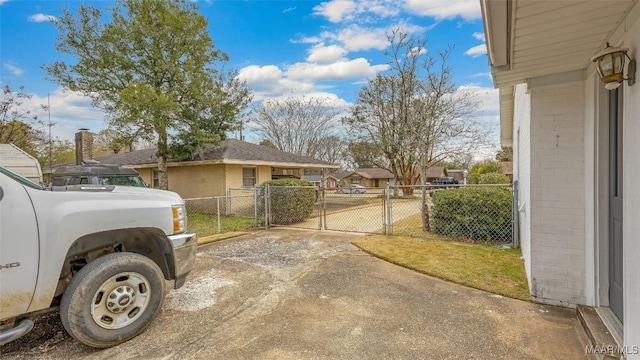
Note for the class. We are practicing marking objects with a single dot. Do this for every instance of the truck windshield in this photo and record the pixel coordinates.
(19, 178)
(126, 180)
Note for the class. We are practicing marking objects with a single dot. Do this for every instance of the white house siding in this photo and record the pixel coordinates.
(522, 168)
(631, 198)
(557, 201)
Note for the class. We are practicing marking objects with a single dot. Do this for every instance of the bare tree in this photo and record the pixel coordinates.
(17, 125)
(333, 149)
(299, 125)
(414, 115)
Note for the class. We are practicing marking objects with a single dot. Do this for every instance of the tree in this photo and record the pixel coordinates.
(332, 148)
(152, 70)
(505, 154)
(62, 151)
(414, 115)
(17, 125)
(111, 141)
(485, 167)
(298, 125)
(365, 154)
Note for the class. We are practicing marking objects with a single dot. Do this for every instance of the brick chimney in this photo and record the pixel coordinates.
(84, 146)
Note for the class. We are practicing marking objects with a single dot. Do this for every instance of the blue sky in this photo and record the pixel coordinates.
(316, 48)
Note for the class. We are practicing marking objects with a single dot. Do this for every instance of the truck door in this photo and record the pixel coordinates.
(18, 248)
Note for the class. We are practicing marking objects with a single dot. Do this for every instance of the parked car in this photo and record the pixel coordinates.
(445, 180)
(96, 174)
(352, 189)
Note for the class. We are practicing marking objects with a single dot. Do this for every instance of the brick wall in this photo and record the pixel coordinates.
(522, 168)
(557, 241)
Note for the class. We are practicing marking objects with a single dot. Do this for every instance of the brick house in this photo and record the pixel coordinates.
(574, 152)
(369, 177)
(232, 165)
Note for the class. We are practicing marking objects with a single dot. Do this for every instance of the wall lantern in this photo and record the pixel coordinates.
(610, 67)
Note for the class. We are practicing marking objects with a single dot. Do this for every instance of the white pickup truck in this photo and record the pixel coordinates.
(98, 254)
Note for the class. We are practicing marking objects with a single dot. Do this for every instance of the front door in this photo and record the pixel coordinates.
(615, 204)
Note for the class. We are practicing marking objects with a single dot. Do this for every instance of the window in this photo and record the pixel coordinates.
(248, 177)
(155, 181)
(355, 180)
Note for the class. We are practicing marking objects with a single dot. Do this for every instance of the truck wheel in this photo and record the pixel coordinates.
(112, 299)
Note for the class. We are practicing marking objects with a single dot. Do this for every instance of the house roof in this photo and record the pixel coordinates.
(316, 178)
(230, 151)
(456, 174)
(542, 41)
(435, 171)
(373, 173)
(16, 160)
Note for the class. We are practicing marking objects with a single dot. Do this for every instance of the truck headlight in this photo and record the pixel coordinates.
(179, 218)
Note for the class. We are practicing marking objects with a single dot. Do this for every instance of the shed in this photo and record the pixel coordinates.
(18, 161)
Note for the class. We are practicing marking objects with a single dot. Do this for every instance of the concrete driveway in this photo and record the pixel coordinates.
(296, 294)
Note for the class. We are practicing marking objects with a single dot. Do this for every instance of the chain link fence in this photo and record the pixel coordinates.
(481, 213)
(218, 214)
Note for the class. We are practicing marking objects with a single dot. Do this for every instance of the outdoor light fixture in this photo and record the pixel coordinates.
(610, 67)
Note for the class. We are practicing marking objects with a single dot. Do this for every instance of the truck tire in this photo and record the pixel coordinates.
(112, 299)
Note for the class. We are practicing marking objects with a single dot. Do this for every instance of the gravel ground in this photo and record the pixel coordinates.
(294, 294)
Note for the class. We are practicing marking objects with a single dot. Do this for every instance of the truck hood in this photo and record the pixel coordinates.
(112, 191)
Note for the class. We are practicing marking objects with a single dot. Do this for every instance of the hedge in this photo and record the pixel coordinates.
(292, 200)
(493, 178)
(477, 213)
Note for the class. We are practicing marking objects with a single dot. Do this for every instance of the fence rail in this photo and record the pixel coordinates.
(476, 212)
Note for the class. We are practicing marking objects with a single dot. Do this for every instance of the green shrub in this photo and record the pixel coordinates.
(292, 200)
(477, 213)
(485, 167)
(493, 178)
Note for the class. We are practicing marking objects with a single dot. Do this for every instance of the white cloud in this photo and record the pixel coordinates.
(476, 51)
(357, 10)
(269, 81)
(483, 74)
(357, 38)
(335, 10)
(13, 69)
(445, 9)
(289, 9)
(488, 98)
(69, 112)
(41, 18)
(415, 51)
(479, 36)
(341, 70)
(326, 54)
(2, 2)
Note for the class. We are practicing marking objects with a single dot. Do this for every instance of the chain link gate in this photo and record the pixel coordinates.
(361, 210)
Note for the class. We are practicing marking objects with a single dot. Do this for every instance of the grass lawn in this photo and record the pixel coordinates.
(478, 266)
(207, 225)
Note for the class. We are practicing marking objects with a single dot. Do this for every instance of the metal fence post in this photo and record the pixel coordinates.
(516, 216)
(255, 207)
(228, 202)
(218, 208)
(389, 227)
(323, 208)
(267, 198)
